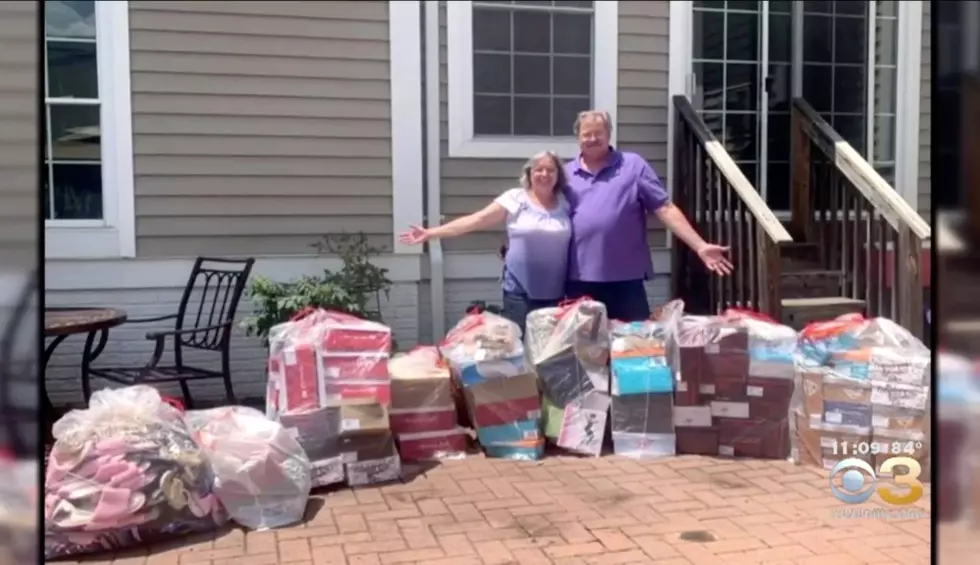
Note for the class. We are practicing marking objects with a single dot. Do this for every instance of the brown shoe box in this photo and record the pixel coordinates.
(764, 398)
(824, 445)
(690, 360)
(761, 439)
(364, 446)
(697, 441)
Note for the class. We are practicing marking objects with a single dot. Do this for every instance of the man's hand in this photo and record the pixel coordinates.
(715, 258)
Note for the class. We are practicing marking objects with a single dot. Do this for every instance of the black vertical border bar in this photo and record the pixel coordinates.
(42, 416)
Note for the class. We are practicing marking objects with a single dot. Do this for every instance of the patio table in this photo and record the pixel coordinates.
(60, 323)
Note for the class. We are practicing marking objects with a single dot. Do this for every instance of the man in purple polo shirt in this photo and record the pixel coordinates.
(611, 192)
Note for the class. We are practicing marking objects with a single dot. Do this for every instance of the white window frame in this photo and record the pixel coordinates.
(113, 236)
(908, 79)
(463, 143)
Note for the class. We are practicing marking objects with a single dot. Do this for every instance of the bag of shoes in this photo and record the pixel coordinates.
(262, 474)
(124, 472)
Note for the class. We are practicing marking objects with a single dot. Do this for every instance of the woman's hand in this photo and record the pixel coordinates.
(714, 258)
(415, 235)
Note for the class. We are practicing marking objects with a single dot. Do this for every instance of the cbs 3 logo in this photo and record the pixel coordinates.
(853, 481)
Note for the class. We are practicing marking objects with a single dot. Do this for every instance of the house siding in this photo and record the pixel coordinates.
(925, 115)
(259, 126)
(18, 137)
(470, 184)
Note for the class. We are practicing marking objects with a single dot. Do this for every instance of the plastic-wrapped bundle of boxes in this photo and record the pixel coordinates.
(329, 384)
(735, 385)
(642, 387)
(569, 348)
(486, 356)
(423, 410)
(862, 392)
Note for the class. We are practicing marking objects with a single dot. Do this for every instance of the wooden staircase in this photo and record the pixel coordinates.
(808, 290)
(835, 255)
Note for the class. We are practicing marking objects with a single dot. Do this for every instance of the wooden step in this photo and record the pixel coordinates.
(798, 312)
(810, 283)
(799, 251)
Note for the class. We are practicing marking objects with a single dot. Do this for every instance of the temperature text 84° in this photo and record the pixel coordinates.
(847, 448)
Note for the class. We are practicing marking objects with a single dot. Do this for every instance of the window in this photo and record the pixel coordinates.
(87, 171)
(834, 66)
(519, 72)
(857, 49)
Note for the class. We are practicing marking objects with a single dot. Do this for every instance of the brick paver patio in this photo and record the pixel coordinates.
(566, 510)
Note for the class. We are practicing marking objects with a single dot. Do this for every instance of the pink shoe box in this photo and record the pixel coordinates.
(427, 446)
(414, 421)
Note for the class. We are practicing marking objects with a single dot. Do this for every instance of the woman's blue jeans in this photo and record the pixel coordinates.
(517, 306)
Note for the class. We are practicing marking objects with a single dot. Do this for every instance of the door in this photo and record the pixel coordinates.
(750, 58)
(742, 69)
(848, 63)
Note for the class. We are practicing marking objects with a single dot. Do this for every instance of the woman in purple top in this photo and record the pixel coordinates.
(538, 236)
(611, 193)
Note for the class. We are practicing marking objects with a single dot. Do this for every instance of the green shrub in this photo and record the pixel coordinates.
(355, 289)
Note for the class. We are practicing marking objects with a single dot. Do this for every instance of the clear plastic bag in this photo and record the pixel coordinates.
(484, 346)
(862, 390)
(423, 407)
(643, 385)
(734, 385)
(500, 389)
(569, 348)
(320, 362)
(124, 472)
(321, 356)
(262, 475)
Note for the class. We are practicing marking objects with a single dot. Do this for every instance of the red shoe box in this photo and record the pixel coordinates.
(299, 378)
(505, 412)
(354, 366)
(407, 421)
(350, 334)
(432, 445)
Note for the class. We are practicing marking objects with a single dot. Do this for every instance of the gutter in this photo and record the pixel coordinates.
(437, 274)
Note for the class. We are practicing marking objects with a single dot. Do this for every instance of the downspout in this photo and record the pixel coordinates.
(433, 170)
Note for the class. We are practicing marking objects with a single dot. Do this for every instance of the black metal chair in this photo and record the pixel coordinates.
(221, 284)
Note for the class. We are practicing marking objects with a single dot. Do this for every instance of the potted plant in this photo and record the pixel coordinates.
(355, 289)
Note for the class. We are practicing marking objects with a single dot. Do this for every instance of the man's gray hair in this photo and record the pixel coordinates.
(590, 115)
